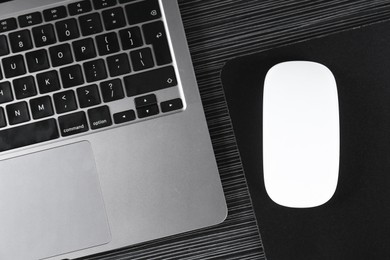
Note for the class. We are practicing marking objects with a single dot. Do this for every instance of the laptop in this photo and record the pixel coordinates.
(103, 138)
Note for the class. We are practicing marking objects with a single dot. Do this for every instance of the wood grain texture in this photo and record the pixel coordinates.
(217, 31)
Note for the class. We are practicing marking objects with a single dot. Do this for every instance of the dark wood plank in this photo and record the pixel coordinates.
(217, 31)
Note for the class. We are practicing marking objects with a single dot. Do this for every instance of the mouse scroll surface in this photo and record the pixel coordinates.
(301, 137)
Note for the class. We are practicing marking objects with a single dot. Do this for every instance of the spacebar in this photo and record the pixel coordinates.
(28, 134)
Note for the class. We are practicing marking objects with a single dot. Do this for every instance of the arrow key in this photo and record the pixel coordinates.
(171, 105)
(145, 101)
(125, 116)
(147, 111)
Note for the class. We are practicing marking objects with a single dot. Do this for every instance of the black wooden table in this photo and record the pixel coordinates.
(218, 31)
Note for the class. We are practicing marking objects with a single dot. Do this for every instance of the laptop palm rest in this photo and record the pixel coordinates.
(51, 203)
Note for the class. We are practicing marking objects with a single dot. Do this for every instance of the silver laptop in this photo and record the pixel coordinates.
(103, 138)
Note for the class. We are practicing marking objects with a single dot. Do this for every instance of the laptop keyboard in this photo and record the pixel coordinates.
(83, 67)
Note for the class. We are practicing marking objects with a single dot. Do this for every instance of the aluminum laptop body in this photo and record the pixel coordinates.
(115, 186)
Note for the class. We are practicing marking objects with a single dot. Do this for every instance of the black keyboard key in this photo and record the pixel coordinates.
(155, 35)
(60, 55)
(18, 113)
(90, 24)
(20, 41)
(8, 25)
(37, 60)
(171, 105)
(80, 7)
(142, 59)
(65, 101)
(55, 13)
(100, 4)
(131, 38)
(125, 116)
(41, 107)
(95, 70)
(150, 81)
(147, 111)
(29, 134)
(88, 96)
(14, 66)
(114, 18)
(4, 50)
(67, 30)
(118, 65)
(107, 43)
(84, 49)
(44, 35)
(72, 124)
(143, 11)
(48, 82)
(5, 92)
(30, 19)
(112, 90)
(3, 122)
(145, 101)
(72, 76)
(24, 87)
(99, 117)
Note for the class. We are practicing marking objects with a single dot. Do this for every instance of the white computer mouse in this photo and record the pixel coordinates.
(301, 134)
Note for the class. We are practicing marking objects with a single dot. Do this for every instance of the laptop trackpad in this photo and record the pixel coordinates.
(51, 203)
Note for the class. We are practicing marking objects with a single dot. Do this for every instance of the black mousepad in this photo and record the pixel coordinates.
(355, 223)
